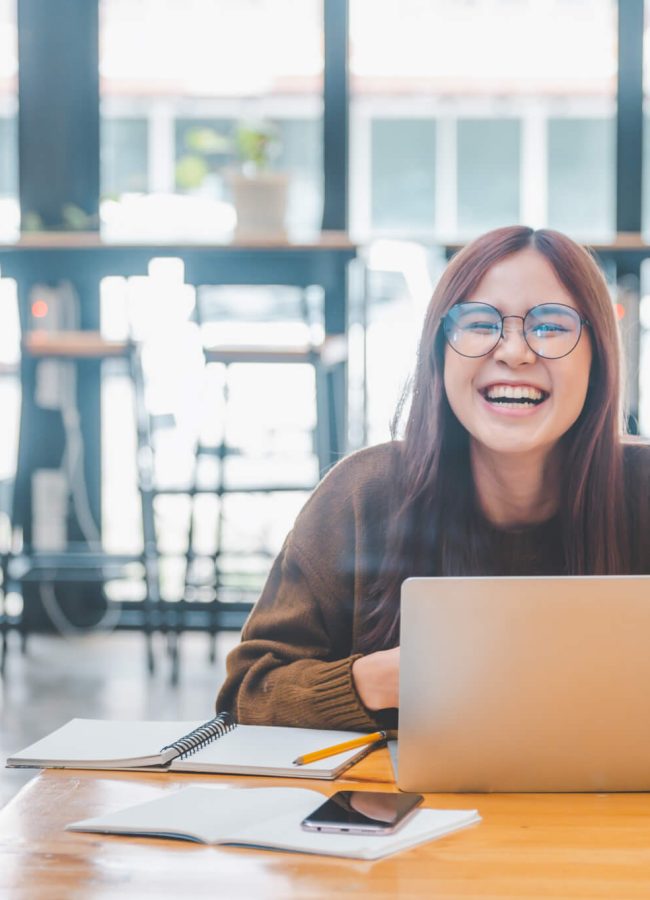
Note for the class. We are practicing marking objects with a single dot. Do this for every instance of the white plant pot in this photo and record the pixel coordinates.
(261, 204)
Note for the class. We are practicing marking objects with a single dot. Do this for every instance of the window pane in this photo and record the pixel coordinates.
(581, 164)
(301, 153)
(464, 66)
(488, 174)
(124, 156)
(9, 212)
(403, 173)
(8, 157)
(210, 67)
(645, 212)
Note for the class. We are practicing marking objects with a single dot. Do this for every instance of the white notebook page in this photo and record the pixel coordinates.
(266, 817)
(92, 740)
(268, 747)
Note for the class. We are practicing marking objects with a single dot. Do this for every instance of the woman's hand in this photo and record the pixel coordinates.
(376, 678)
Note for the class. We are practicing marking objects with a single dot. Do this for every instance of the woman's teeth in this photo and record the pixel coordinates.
(509, 395)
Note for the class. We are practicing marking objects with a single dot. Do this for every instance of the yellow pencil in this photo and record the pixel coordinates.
(361, 741)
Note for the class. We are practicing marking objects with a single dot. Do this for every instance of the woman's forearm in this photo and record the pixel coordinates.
(307, 693)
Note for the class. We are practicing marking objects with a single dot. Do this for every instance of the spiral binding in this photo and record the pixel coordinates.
(203, 735)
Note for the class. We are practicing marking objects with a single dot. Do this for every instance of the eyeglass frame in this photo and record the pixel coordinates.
(583, 322)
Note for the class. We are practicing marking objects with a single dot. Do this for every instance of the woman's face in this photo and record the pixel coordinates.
(514, 285)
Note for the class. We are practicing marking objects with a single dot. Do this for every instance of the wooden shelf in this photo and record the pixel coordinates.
(72, 345)
(92, 240)
(621, 242)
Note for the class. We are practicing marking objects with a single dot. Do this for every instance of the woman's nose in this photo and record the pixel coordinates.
(512, 347)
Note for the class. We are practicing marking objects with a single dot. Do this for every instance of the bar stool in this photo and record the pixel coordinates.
(203, 574)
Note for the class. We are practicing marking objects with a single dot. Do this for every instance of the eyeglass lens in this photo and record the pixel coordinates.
(551, 330)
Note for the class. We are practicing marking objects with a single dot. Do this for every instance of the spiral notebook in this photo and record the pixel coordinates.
(219, 746)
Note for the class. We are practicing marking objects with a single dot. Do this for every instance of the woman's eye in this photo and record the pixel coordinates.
(486, 327)
(548, 328)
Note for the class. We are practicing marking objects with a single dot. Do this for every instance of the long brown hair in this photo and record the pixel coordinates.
(436, 484)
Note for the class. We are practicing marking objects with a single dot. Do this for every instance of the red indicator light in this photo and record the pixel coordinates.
(39, 309)
(619, 309)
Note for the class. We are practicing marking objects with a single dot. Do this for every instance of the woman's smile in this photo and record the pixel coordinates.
(513, 398)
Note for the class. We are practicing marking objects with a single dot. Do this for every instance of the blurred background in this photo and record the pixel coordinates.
(221, 222)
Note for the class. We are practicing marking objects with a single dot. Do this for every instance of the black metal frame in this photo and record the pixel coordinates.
(629, 116)
(58, 111)
(336, 109)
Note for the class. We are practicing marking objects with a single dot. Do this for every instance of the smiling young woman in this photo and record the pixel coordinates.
(513, 462)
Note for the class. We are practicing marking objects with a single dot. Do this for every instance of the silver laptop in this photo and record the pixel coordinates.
(525, 684)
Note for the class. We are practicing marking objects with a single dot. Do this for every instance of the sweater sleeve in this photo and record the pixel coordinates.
(294, 663)
(285, 671)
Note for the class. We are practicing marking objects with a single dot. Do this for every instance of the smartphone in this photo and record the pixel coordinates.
(362, 812)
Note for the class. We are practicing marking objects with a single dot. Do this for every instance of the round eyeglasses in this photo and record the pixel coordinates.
(551, 330)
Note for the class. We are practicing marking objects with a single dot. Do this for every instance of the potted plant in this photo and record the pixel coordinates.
(259, 193)
(243, 159)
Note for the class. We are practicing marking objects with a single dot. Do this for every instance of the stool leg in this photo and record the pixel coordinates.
(213, 625)
(151, 660)
(4, 623)
(173, 651)
(212, 656)
(145, 462)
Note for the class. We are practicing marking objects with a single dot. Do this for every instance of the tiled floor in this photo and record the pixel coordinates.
(100, 676)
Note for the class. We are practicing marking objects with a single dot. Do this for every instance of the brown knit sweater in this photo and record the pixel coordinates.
(293, 665)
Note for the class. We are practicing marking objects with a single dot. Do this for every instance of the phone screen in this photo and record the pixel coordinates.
(362, 812)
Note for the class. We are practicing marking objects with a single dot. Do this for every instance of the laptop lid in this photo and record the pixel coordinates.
(525, 684)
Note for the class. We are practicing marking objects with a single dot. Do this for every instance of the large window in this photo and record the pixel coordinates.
(179, 80)
(469, 114)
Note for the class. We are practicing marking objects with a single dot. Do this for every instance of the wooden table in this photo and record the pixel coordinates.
(535, 845)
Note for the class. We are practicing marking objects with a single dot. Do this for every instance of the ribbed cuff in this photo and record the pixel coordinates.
(336, 699)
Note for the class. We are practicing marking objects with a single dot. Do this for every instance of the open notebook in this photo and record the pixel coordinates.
(266, 817)
(217, 746)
